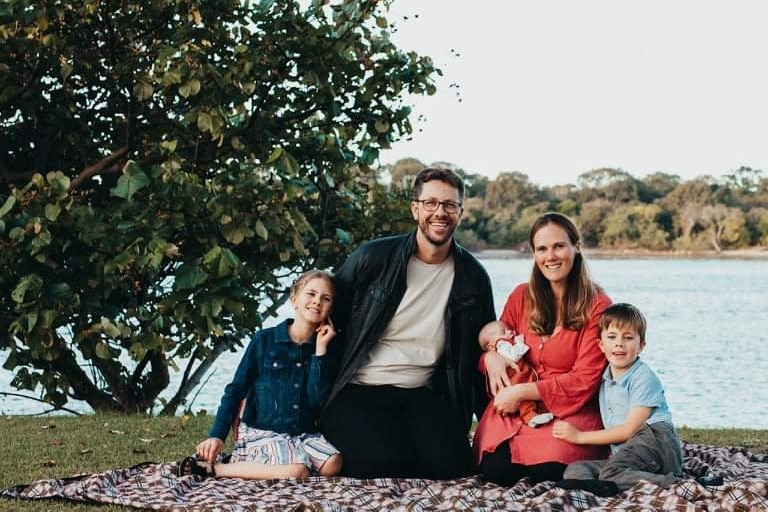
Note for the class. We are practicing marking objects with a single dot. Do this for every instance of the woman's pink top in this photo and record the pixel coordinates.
(569, 365)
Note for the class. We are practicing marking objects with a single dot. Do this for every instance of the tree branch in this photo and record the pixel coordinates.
(98, 167)
(55, 407)
(189, 384)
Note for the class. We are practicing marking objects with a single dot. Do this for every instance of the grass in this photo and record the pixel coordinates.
(51, 447)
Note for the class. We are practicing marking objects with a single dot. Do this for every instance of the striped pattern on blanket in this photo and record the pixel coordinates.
(155, 486)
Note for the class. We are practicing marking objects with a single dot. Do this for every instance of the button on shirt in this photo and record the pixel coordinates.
(639, 387)
(284, 385)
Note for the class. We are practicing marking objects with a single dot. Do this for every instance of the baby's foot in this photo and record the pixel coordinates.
(541, 419)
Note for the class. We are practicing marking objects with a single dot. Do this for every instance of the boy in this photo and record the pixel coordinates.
(638, 423)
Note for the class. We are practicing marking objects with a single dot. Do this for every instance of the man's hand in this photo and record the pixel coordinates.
(565, 431)
(209, 449)
(325, 333)
(496, 369)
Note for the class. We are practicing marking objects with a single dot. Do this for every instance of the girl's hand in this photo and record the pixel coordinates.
(209, 449)
(496, 369)
(565, 431)
(325, 333)
(507, 400)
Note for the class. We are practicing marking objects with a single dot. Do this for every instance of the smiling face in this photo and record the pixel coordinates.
(313, 302)
(554, 253)
(436, 228)
(621, 345)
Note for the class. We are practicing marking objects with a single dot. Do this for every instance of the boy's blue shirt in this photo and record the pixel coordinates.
(639, 387)
(284, 385)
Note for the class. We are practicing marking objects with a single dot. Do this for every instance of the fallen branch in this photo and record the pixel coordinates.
(55, 407)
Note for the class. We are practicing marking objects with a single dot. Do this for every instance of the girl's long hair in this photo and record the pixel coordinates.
(580, 290)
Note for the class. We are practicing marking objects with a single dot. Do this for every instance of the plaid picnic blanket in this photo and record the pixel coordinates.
(155, 486)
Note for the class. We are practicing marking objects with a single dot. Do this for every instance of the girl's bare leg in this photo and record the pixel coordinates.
(259, 471)
(332, 466)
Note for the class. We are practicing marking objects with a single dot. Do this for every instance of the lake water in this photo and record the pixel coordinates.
(707, 335)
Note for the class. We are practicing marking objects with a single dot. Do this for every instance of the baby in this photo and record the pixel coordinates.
(503, 339)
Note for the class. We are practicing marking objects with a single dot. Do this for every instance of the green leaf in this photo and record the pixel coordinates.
(204, 122)
(276, 153)
(381, 22)
(261, 230)
(102, 351)
(212, 255)
(52, 211)
(298, 245)
(31, 320)
(131, 182)
(9, 202)
(66, 70)
(343, 237)
(28, 284)
(188, 277)
(190, 88)
(138, 351)
(60, 293)
(231, 258)
(234, 234)
(172, 77)
(142, 90)
(213, 327)
(110, 329)
(169, 145)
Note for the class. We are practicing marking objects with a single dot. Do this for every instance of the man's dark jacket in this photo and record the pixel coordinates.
(370, 286)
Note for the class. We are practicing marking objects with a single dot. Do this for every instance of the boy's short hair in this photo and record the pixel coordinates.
(626, 315)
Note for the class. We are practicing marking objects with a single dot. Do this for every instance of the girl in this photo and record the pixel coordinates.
(284, 378)
(557, 313)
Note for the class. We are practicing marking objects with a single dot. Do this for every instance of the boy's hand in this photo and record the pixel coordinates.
(325, 333)
(565, 431)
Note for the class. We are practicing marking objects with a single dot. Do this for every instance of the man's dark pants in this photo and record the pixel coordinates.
(386, 431)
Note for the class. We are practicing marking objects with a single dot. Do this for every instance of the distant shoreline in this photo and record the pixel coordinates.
(759, 253)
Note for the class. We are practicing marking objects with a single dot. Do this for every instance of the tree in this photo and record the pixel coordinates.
(512, 191)
(724, 225)
(591, 219)
(656, 186)
(613, 185)
(403, 172)
(634, 226)
(166, 167)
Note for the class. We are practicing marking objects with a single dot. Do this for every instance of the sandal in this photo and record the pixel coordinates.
(189, 466)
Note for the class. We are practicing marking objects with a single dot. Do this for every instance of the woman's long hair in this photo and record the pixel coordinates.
(580, 290)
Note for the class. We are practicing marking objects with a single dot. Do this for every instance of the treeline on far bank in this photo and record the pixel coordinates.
(614, 209)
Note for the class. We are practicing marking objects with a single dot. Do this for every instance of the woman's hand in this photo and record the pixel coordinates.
(325, 333)
(496, 369)
(209, 449)
(565, 431)
(507, 400)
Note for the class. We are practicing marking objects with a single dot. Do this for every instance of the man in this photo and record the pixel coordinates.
(409, 309)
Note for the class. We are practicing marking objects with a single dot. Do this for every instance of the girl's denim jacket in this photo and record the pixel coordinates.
(284, 384)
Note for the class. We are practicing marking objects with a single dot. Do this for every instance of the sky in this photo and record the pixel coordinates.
(555, 88)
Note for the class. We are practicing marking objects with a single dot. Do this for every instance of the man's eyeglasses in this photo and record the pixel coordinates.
(431, 205)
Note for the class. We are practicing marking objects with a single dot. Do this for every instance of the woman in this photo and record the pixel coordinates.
(557, 313)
